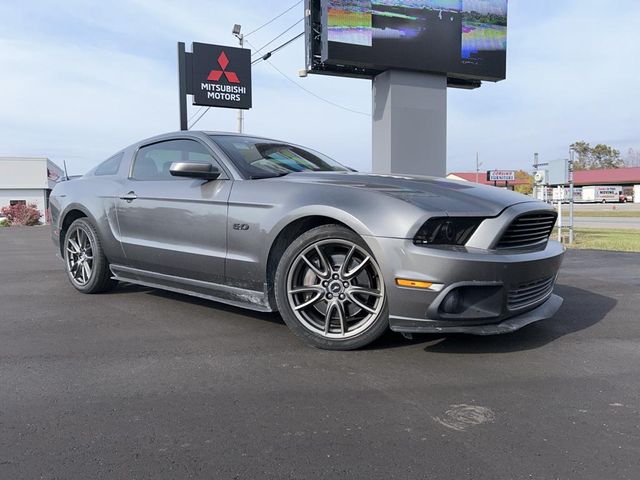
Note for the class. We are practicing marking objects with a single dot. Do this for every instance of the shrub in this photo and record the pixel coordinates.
(21, 214)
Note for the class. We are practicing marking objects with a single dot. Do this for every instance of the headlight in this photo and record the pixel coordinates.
(447, 231)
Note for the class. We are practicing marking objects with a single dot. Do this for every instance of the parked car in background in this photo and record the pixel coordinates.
(272, 226)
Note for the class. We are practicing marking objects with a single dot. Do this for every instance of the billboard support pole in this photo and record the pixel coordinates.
(410, 123)
(182, 85)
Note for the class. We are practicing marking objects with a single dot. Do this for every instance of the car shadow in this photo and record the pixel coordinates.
(581, 309)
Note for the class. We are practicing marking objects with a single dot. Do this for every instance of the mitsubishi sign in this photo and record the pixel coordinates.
(220, 76)
(215, 76)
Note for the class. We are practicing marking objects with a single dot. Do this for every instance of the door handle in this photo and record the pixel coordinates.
(129, 197)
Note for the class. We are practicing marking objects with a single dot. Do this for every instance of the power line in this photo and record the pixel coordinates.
(274, 18)
(194, 114)
(268, 54)
(313, 94)
(199, 118)
(265, 57)
(316, 95)
(276, 37)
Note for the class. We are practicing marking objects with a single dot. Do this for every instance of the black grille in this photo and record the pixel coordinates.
(530, 293)
(528, 230)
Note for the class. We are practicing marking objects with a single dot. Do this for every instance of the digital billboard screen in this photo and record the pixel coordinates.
(462, 38)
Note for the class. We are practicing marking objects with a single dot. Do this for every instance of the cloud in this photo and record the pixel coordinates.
(568, 78)
(83, 79)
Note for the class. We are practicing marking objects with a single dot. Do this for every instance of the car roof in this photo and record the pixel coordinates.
(199, 133)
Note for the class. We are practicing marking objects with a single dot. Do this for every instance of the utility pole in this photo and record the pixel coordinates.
(237, 33)
(478, 165)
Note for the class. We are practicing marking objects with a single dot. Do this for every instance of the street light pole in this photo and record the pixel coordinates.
(571, 192)
(236, 32)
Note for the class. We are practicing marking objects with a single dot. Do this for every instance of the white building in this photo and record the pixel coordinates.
(28, 181)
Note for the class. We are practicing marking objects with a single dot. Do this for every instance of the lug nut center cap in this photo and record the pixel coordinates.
(335, 287)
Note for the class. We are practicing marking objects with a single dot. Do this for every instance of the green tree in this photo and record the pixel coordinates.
(604, 156)
(600, 156)
(633, 158)
(582, 159)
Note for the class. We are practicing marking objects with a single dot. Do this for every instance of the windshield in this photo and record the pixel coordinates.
(260, 158)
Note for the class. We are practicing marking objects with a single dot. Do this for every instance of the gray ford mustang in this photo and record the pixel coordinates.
(272, 226)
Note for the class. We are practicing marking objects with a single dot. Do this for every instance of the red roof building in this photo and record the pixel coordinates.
(611, 176)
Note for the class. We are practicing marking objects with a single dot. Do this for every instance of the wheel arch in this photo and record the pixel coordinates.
(71, 214)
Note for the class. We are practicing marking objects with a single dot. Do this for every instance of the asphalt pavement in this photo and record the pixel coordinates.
(143, 384)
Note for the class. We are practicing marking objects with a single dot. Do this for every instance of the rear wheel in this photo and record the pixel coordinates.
(330, 290)
(86, 265)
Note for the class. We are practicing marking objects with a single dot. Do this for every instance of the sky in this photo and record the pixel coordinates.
(82, 79)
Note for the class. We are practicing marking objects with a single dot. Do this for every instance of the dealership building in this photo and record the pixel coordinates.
(28, 180)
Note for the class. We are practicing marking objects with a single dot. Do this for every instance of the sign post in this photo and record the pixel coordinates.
(215, 75)
(410, 119)
(182, 85)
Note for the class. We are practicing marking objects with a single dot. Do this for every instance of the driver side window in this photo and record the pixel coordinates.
(154, 161)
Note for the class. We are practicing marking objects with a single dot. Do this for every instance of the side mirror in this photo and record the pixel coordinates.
(205, 171)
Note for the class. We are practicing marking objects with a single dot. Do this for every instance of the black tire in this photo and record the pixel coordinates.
(81, 233)
(357, 326)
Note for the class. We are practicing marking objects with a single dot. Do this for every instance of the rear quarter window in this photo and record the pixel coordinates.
(110, 166)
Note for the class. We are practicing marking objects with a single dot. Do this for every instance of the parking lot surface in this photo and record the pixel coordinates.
(140, 383)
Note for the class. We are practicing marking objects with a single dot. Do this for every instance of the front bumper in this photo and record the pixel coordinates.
(502, 291)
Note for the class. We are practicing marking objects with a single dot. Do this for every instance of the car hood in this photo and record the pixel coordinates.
(430, 193)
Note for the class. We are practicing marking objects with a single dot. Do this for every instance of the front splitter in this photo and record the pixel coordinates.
(545, 311)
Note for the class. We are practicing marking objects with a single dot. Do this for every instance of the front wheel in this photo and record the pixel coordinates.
(330, 290)
(86, 265)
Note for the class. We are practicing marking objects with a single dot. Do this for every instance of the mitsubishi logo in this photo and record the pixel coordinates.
(215, 75)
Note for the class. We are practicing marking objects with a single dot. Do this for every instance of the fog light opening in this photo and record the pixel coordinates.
(453, 303)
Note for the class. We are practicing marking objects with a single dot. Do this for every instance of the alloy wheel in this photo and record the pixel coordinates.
(79, 256)
(335, 288)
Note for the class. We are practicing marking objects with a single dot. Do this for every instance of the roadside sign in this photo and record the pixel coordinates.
(221, 76)
(215, 76)
(559, 172)
(501, 175)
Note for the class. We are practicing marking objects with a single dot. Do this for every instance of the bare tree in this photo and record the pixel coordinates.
(633, 158)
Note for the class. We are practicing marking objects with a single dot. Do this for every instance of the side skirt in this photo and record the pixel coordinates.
(238, 297)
